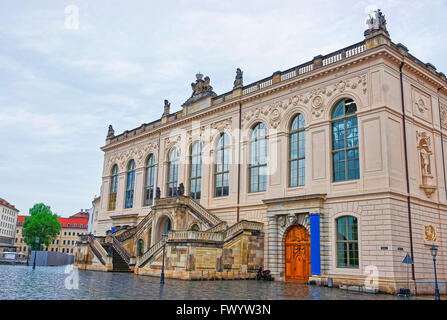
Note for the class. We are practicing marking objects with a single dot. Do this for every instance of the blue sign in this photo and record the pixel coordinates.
(112, 230)
(315, 244)
(408, 259)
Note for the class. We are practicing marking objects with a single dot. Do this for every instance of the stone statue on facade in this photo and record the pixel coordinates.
(425, 152)
(200, 89)
(110, 132)
(201, 85)
(181, 190)
(376, 23)
(167, 108)
(238, 81)
(157, 193)
(425, 162)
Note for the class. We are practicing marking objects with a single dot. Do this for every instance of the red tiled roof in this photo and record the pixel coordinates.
(80, 215)
(64, 221)
(6, 203)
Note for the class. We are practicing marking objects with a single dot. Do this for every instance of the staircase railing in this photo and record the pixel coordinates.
(201, 210)
(150, 253)
(219, 227)
(143, 224)
(242, 225)
(121, 250)
(97, 248)
(125, 235)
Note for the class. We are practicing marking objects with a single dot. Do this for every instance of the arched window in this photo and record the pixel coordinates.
(195, 173)
(222, 167)
(150, 172)
(173, 172)
(297, 151)
(140, 247)
(347, 242)
(345, 143)
(130, 184)
(113, 188)
(258, 164)
(194, 227)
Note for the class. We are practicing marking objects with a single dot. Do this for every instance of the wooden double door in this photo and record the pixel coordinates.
(297, 258)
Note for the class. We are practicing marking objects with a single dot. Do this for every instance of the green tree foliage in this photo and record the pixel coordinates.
(41, 223)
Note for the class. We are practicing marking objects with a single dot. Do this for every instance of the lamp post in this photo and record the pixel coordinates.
(434, 252)
(162, 278)
(35, 253)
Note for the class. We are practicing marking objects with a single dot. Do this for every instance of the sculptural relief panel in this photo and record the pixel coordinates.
(421, 104)
(315, 100)
(139, 153)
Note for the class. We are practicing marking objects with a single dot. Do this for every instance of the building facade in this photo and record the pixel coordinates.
(340, 159)
(93, 218)
(72, 227)
(8, 219)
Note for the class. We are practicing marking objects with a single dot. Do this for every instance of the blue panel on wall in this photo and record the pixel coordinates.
(315, 244)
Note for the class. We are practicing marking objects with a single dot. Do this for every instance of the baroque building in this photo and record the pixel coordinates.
(65, 242)
(328, 172)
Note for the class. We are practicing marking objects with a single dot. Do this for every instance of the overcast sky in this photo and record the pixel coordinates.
(62, 83)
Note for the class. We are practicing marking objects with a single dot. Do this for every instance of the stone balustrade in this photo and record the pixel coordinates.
(242, 225)
(149, 253)
(195, 236)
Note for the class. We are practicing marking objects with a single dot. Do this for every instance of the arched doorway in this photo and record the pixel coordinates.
(297, 257)
(165, 225)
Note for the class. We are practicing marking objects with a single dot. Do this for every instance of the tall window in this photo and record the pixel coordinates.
(195, 174)
(150, 172)
(173, 172)
(113, 188)
(347, 242)
(258, 163)
(222, 168)
(345, 143)
(297, 151)
(140, 247)
(130, 184)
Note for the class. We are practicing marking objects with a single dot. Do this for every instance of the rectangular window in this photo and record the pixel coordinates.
(347, 242)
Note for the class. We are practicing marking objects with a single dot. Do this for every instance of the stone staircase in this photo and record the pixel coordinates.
(119, 264)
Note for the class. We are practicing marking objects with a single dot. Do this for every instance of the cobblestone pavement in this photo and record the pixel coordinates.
(21, 282)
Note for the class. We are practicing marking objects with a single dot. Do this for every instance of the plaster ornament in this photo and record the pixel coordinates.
(430, 233)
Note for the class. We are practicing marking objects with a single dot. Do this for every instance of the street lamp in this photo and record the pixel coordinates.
(35, 253)
(162, 278)
(434, 252)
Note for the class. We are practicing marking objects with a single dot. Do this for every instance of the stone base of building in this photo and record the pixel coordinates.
(92, 267)
(391, 286)
(197, 275)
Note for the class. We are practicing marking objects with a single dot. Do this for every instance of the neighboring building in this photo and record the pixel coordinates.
(8, 220)
(340, 159)
(72, 227)
(93, 218)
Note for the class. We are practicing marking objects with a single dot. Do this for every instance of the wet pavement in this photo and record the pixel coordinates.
(21, 282)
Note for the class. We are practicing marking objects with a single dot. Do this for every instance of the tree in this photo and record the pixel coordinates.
(41, 223)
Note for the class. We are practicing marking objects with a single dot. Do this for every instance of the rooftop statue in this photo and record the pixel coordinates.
(167, 108)
(111, 132)
(376, 23)
(238, 81)
(200, 89)
(201, 86)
